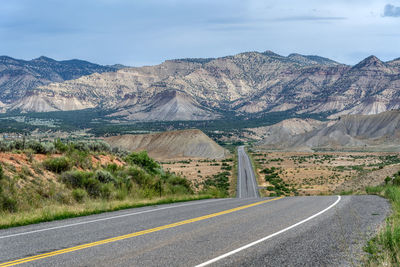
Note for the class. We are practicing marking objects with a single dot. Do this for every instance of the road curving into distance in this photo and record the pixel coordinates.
(248, 230)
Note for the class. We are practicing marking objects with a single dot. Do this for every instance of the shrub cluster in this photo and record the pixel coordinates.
(57, 165)
(142, 177)
(143, 160)
(35, 146)
(220, 182)
(54, 147)
(226, 166)
(278, 186)
(393, 180)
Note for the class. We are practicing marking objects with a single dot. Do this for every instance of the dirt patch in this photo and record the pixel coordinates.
(14, 159)
(25, 167)
(105, 160)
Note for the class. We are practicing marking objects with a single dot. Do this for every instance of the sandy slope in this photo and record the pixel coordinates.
(174, 144)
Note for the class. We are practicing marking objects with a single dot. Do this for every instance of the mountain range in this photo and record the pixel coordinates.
(246, 84)
(18, 77)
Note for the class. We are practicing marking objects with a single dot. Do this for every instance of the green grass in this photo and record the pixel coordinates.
(346, 193)
(384, 248)
(255, 166)
(218, 185)
(233, 184)
(60, 212)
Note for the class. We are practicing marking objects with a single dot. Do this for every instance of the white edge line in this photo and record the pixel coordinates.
(108, 218)
(267, 237)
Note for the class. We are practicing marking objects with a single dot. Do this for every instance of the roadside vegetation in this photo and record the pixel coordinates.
(215, 177)
(233, 183)
(219, 185)
(277, 187)
(43, 181)
(255, 166)
(384, 248)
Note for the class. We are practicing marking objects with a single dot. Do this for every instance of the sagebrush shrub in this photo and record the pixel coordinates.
(8, 203)
(1, 172)
(76, 178)
(138, 175)
(106, 191)
(60, 146)
(104, 176)
(57, 165)
(93, 187)
(79, 194)
(143, 160)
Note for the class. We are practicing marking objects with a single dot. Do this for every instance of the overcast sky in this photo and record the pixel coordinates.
(147, 32)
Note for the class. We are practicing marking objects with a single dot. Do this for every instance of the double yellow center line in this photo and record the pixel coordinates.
(122, 237)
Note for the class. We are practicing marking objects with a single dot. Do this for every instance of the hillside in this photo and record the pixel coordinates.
(285, 130)
(357, 132)
(169, 145)
(44, 181)
(18, 77)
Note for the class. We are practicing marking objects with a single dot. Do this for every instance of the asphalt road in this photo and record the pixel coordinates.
(291, 231)
(246, 185)
(243, 231)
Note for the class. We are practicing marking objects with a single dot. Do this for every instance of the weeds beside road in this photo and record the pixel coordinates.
(384, 249)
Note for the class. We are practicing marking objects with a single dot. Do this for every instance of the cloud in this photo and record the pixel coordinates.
(226, 20)
(148, 32)
(391, 11)
(309, 18)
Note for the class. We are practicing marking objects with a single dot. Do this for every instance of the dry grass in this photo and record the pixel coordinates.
(324, 173)
(233, 178)
(197, 170)
(54, 211)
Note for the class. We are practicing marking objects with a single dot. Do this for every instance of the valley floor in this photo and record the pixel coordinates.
(303, 173)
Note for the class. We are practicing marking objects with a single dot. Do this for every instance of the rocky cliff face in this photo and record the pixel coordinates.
(18, 77)
(244, 84)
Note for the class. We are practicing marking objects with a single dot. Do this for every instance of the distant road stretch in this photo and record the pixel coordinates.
(247, 184)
